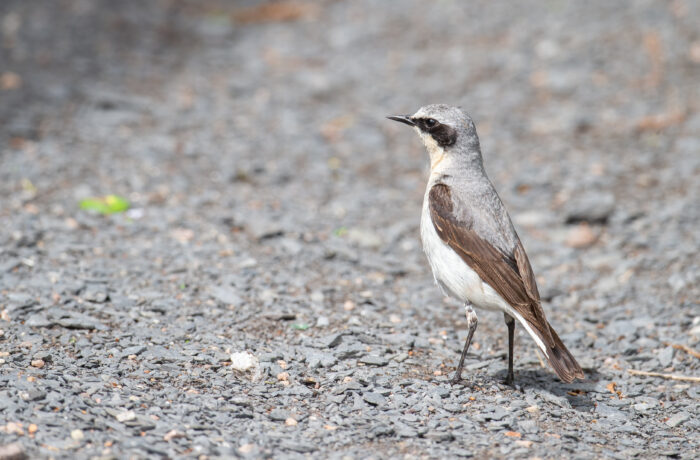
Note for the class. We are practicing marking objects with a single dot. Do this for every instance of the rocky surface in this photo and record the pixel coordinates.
(266, 294)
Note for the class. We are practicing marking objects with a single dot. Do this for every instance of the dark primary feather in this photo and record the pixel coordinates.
(508, 273)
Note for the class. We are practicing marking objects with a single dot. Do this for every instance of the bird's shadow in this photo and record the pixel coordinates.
(577, 392)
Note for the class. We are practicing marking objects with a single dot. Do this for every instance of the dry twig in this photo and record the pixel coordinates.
(684, 378)
(686, 349)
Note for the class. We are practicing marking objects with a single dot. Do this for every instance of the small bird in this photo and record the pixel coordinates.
(470, 242)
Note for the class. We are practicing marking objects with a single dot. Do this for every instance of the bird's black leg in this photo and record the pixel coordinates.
(510, 322)
(471, 323)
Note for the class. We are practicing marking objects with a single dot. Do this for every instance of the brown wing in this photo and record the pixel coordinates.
(508, 274)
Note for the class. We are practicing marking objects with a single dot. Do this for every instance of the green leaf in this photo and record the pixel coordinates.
(105, 205)
(300, 326)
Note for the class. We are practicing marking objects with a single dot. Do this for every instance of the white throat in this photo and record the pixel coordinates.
(437, 154)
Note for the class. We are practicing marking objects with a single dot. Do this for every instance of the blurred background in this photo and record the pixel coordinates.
(268, 117)
(249, 139)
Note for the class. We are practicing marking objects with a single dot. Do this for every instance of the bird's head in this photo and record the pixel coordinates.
(444, 130)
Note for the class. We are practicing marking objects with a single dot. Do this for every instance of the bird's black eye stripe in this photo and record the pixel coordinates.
(427, 124)
(444, 135)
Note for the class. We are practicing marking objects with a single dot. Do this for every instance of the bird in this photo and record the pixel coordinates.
(471, 245)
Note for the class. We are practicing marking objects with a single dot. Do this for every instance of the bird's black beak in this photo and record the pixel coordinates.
(402, 119)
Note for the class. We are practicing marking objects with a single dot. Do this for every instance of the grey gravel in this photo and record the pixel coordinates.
(374, 360)
(274, 211)
(666, 356)
(677, 419)
(374, 399)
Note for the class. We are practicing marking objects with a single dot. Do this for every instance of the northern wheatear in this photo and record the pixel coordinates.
(470, 242)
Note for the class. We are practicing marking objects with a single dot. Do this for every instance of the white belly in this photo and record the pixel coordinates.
(453, 275)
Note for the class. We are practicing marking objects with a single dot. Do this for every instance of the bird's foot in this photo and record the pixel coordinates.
(510, 381)
(456, 380)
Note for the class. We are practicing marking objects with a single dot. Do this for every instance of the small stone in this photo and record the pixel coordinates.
(77, 435)
(581, 236)
(134, 351)
(317, 296)
(125, 416)
(440, 436)
(13, 428)
(591, 208)
(364, 238)
(20, 299)
(349, 350)
(173, 434)
(641, 407)
(38, 363)
(332, 340)
(404, 431)
(348, 386)
(245, 363)
(322, 321)
(528, 426)
(374, 399)
(38, 320)
(12, 451)
(374, 360)
(279, 415)
(556, 400)
(678, 419)
(283, 376)
(262, 228)
(226, 295)
(43, 355)
(270, 357)
(290, 422)
(96, 296)
(381, 429)
(399, 340)
(666, 356)
(315, 359)
(32, 428)
(33, 394)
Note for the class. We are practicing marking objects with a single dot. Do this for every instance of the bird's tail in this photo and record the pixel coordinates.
(546, 338)
(561, 359)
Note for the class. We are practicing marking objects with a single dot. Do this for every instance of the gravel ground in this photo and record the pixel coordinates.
(275, 217)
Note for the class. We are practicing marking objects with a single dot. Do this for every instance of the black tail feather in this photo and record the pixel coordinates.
(561, 359)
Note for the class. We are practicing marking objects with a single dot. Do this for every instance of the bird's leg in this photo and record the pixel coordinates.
(510, 322)
(471, 323)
